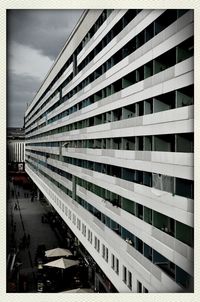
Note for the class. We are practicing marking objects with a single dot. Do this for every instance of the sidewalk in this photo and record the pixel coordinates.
(28, 221)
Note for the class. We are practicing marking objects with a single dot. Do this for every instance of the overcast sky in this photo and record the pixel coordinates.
(35, 38)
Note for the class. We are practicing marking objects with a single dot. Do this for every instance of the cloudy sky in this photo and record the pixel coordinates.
(35, 38)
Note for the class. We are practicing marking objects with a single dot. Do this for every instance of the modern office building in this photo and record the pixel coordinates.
(109, 142)
(15, 148)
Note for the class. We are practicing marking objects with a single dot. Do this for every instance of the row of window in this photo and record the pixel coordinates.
(131, 46)
(158, 25)
(127, 275)
(105, 14)
(162, 102)
(182, 52)
(176, 229)
(180, 231)
(182, 142)
(172, 270)
(174, 185)
(116, 29)
(171, 100)
(105, 252)
(129, 15)
(102, 18)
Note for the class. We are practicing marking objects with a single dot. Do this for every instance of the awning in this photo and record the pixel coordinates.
(62, 263)
(57, 252)
(79, 290)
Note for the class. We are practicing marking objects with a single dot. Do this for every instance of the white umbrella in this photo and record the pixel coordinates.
(57, 252)
(62, 263)
(79, 290)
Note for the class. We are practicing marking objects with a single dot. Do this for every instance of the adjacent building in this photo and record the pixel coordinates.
(109, 142)
(15, 148)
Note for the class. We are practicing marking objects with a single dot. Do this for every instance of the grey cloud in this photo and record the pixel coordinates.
(20, 90)
(44, 30)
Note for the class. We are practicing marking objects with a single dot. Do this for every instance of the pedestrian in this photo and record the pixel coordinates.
(15, 207)
(68, 242)
(18, 194)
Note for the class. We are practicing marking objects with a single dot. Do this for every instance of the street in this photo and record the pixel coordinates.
(25, 220)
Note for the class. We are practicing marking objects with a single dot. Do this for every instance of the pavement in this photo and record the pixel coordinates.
(27, 220)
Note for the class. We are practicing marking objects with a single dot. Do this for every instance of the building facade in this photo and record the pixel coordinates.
(109, 142)
(15, 148)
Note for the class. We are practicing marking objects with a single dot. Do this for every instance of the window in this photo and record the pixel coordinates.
(183, 278)
(106, 255)
(90, 236)
(148, 215)
(185, 50)
(147, 251)
(130, 280)
(184, 187)
(78, 224)
(139, 287)
(83, 229)
(139, 245)
(124, 274)
(185, 233)
(74, 219)
(112, 261)
(128, 205)
(139, 211)
(105, 252)
(97, 244)
(185, 142)
(117, 266)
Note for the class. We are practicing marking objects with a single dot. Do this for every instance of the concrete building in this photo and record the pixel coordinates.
(109, 142)
(16, 148)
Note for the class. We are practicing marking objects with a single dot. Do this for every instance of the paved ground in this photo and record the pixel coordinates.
(28, 221)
